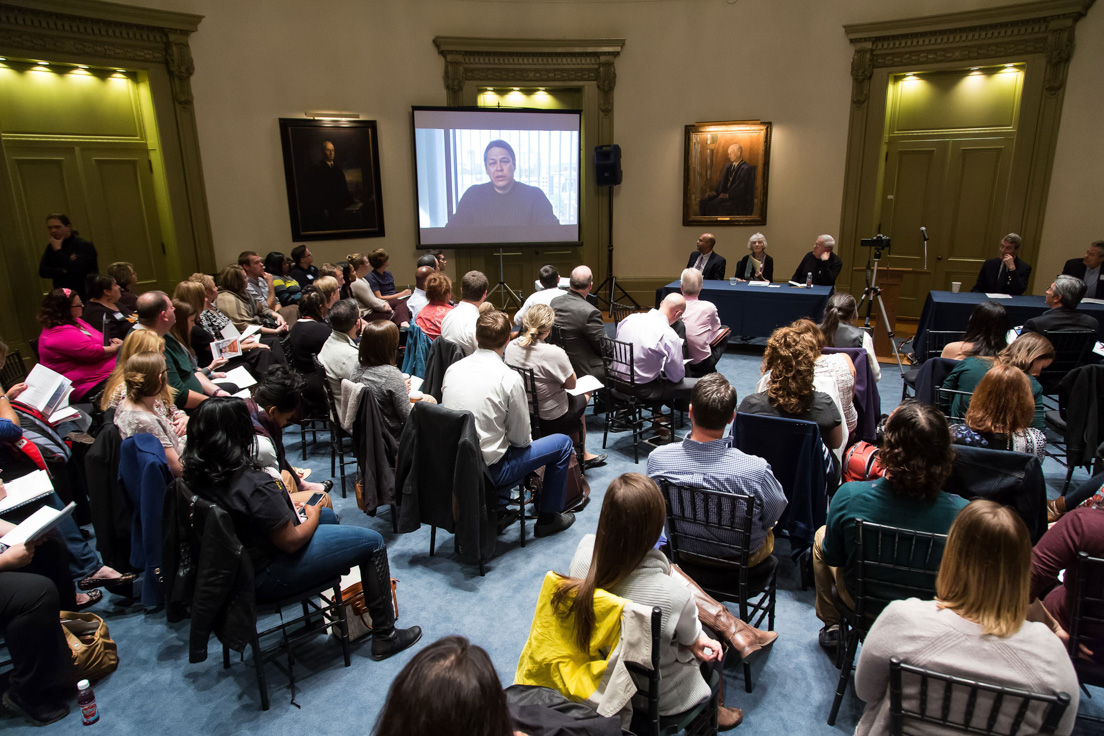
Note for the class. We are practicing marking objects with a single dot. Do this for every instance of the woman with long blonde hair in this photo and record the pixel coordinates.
(560, 412)
(147, 384)
(976, 627)
(143, 341)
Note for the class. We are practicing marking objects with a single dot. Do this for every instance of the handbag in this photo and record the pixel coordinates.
(357, 617)
(94, 652)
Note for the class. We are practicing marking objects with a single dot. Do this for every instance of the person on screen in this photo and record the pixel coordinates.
(502, 201)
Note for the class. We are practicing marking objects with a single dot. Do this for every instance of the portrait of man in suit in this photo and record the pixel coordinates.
(725, 174)
(735, 192)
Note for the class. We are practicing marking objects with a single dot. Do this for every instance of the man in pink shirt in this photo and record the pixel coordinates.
(706, 337)
(657, 353)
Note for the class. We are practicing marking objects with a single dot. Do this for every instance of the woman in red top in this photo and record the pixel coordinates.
(438, 291)
(71, 346)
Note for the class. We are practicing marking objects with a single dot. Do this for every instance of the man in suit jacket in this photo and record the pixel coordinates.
(1088, 270)
(1005, 274)
(712, 265)
(580, 325)
(735, 192)
(1062, 297)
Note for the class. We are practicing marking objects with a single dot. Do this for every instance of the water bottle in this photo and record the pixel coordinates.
(86, 699)
(809, 280)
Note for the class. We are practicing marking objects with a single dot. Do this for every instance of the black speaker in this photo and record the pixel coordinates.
(607, 165)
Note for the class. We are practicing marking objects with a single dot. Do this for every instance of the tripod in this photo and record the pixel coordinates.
(872, 292)
(502, 287)
(611, 280)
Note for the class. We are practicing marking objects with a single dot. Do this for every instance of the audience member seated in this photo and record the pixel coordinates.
(1000, 414)
(308, 335)
(791, 361)
(430, 317)
(103, 311)
(1005, 274)
(840, 333)
(156, 313)
(986, 334)
(449, 686)
(182, 330)
(72, 347)
(580, 323)
(115, 392)
(371, 306)
(146, 387)
(560, 412)
(657, 353)
(1085, 492)
(287, 289)
(303, 269)
(330, 289)
(975, 628)
(419, 299)
(1081, 530)
(704, 459)
(291, 548)
(706, 337)
(337, 273)
(495, 395)
(339, 353)
(428, 259)
(258, 282)
(620, 558)
(34, 589)
(440, 256)
(917, 456)
(1062, 299)
(746, 270)
(836, 367)
(379, 343)
(382, 283)
(458, 326)
(127, 278)
(549, 279)
(821, 262)
(256, 357)
(243, 310)
(1031, 353)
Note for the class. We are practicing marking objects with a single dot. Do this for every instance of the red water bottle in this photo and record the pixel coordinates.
(809, 280)
(86, 699)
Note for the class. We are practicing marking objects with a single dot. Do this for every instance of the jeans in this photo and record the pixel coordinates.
(330, 553)
(1083, 492)
(553, 453)
(83, 560)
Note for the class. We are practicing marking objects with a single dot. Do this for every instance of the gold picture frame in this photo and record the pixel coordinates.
(727, 166)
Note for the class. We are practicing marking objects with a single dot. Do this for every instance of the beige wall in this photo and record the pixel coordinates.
(786, 61)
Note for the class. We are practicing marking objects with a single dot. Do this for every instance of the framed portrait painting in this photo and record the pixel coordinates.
(726, 172)
(333, 178)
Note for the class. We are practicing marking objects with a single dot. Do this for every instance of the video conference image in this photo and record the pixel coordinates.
(501, 176)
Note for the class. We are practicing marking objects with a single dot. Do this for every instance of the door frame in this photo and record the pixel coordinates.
(1038, 35)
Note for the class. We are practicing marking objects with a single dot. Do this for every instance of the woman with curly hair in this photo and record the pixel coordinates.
(833, 368)
(917, 454)
(1000, 414)
(790, 358)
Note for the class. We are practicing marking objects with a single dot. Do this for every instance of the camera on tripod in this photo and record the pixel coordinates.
(878, 242)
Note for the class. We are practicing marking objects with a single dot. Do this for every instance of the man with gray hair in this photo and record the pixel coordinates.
(1088, 270)
(706, 338)
(1005, 274)
(821, 262)
(1062, 297)
(580, 325)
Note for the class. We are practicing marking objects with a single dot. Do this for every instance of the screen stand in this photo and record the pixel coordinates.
(611, 281)
(502, 288)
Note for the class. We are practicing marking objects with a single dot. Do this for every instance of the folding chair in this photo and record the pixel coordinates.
(1087, 613)
(1071, 350)
(337, 434)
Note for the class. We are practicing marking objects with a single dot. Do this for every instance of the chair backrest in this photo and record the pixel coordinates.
(1071, 349)
(892, 564)
(1087, 613)
(619, 311)
(930, 377)
(945, 400)
(936, 340)
(969, 706)
(529, 380)
(331, 401)
(13, 371)
(1009, 478)
(555, 336)
(617, 359)
(709, 524)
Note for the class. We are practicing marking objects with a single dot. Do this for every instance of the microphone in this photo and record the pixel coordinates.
(924, 232)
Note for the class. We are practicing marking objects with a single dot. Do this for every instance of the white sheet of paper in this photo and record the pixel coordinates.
(37, 524)
(758, 283)
(999, 296)
(1099, 349)
(229, 331)
(47, 390)
(243, 394)
(1090, 300)
(416, 383)
(26, 489)
(800, 286)
(775, 286)
(251, 330)
(585, 385)
(240, 377)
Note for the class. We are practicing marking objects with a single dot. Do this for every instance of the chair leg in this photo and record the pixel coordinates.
(225, 657)
(845, 675)
(1069, 477)
(343, 624)
(747, 677)
(303, 439)
(258, 663)
(521, 516)
(432, 539)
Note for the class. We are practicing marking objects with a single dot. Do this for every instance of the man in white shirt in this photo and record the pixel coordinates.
(657, 353)
(418, 298)
(706, 337)
(495, 395)
(458, 326)
(550, 280)
(339, 354)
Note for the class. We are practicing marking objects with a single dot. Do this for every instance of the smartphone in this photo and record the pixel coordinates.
(316, 499)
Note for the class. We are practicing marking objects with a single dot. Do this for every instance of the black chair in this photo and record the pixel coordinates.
(936, 340)
(1071, 350)
(709, 533)
(1087, 613)
(14, 371)
(619, 311)
(1009, 478)
(700, 720)
(945, 398)
(923, 381)
(622, 396)
(311, 416)
(337, 434)
(885, 555)
(959, 703)
(1077, 439)
(555, 336)
(529, 380)
(33, 343)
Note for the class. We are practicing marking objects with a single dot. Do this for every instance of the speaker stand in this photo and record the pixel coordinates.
(610, 282)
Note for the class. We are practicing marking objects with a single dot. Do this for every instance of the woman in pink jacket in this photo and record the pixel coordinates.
(72, 347)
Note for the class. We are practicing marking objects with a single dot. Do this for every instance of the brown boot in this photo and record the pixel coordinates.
(727, 718)
(742, 637)
(1056, 509)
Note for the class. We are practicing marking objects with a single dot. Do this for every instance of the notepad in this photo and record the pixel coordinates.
(240, 377)
(36, 525)
(758, 283)
(1000, 296)
(25, 490)
(584, 385)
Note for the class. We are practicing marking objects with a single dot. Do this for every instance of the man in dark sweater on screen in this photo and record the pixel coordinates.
(502, 201)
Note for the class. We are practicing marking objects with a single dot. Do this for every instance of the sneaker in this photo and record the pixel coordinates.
(41, 717)
(557, 524)
(829, 636)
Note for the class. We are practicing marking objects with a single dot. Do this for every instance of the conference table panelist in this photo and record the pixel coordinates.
(821, 262)
(756, 265)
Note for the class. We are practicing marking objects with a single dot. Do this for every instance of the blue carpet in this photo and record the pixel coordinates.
(156, 691)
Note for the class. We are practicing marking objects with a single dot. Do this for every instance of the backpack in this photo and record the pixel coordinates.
(861, 462)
